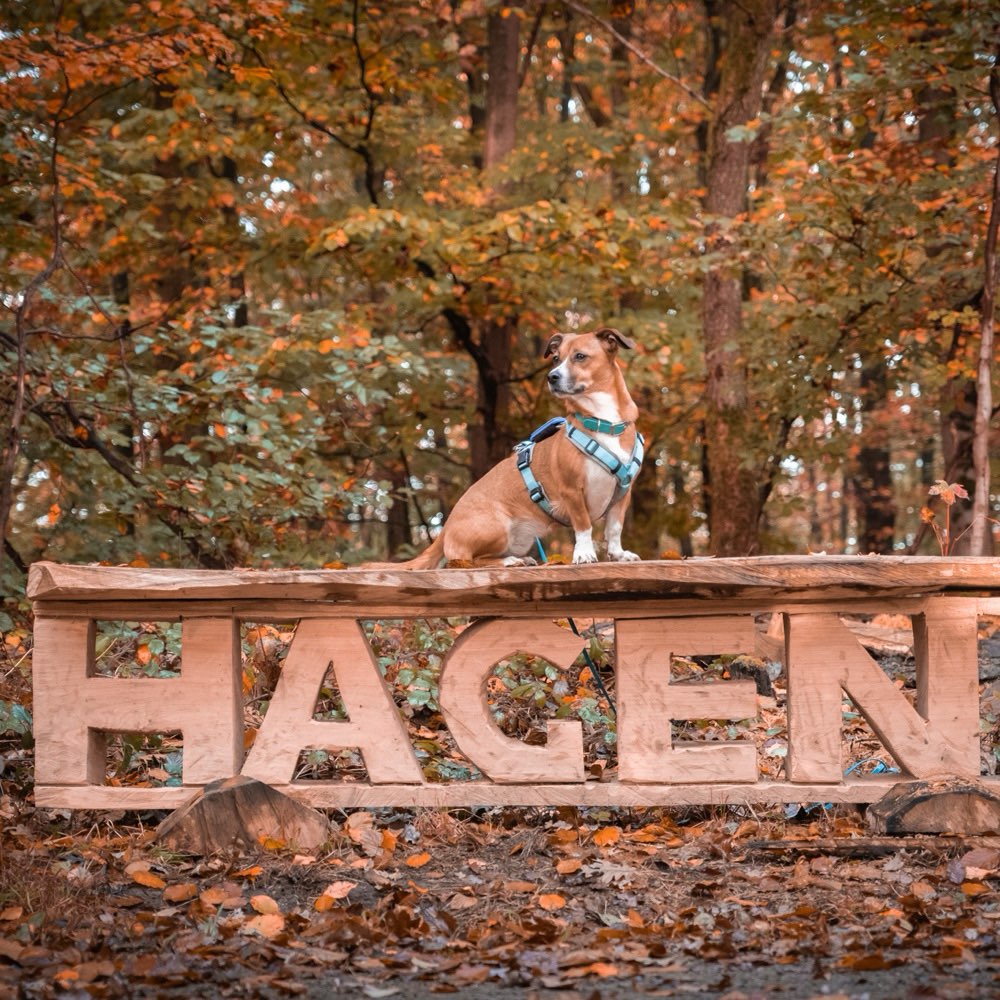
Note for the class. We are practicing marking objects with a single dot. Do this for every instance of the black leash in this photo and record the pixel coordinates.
(587, 658)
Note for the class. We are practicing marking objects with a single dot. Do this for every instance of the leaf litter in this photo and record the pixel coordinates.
(498, 904)
(502, 904)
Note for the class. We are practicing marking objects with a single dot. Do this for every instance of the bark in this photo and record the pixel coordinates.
(981, 533)
(489, 440)
(873, 490)
(734, 495)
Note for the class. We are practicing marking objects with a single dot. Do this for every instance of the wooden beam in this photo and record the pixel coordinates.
(358, 795)
(794, 577)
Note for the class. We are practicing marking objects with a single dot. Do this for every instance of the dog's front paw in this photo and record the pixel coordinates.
(623, 555)
(584, 556)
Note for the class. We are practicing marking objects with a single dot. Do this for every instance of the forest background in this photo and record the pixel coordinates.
(276, 276)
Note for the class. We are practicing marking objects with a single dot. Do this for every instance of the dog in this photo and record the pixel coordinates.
(577, 474)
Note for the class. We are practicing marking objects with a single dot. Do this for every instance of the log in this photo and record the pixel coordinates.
(943, 805)
(618, 589)
(244, 813)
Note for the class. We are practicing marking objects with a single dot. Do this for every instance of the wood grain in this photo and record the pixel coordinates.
(661, 610)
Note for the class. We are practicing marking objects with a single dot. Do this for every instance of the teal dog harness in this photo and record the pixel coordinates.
(623, 472)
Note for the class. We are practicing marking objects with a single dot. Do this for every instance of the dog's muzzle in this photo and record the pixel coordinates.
(559, 382)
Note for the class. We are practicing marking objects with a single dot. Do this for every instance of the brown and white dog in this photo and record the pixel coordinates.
(576, 482)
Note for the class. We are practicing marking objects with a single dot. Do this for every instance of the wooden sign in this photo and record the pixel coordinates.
(660, 611)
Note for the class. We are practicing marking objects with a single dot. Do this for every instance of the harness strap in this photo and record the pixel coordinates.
(536, 492)
(623, 472)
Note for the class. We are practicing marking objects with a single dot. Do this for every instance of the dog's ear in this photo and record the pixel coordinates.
(612, 339)
(553, 345)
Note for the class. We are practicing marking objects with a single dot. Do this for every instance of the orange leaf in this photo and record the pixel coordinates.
(148, 879)
(551, 901)
(418, 860)
(180, 892)
(607, 836)
(214, 895)
(264, 904)
(974, 888)
(517, 886)
(268, 925)
(252, 872)
(568, 865)
(339, 890)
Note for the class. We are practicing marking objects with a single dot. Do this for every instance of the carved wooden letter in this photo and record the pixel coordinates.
(373, 724)
(647, 701)
(467, 712)
(73, 708)
(824, 658)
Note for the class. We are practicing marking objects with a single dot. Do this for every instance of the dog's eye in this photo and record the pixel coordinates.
(579, 356)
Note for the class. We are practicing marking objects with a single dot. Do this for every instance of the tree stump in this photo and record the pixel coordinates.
(945, 805)
(245, 813)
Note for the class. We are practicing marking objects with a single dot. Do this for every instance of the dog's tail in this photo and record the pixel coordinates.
(430, 558)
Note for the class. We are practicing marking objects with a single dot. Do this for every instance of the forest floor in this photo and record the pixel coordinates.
(498, 904)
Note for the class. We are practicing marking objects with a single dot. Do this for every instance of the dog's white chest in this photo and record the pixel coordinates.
(601, 484)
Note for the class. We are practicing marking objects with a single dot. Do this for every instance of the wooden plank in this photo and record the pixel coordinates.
(348, 795)
(373, 724)
(453, 605)
(945, 648)
(648, 701)
(798, 577)
(467, 713)
(67, 751)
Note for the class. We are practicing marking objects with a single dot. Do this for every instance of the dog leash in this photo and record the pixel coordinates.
(587, 658)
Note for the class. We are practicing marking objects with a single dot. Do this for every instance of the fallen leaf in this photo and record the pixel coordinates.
(516, 885)
(252, 872)
(602, 969)
(148, 879)
(551, 901)
(264, 904)
(180, 892)
(607, 836)
(11, 949)
(974, 888)
(339, 890)
(268, 925)
(418, 860)
(568, 865)
(462, 901)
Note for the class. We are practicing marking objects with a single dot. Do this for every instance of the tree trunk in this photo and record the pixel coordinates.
(489, 441)
(981, 533)
(873, 490)
(733, 488)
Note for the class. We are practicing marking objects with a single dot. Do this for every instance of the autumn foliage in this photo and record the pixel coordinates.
(267, 301)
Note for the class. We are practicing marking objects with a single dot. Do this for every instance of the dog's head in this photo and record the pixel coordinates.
(580, 361)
